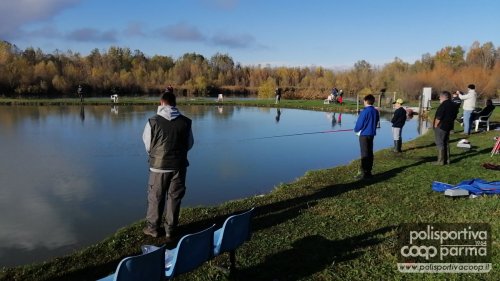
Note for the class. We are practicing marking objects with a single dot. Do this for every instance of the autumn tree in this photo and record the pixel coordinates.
(266, 89)
(30, 72)
(483, 56)
(452, 57)
(361, 76)
(221, 69)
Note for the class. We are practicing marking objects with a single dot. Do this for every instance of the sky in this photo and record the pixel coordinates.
(293, 33)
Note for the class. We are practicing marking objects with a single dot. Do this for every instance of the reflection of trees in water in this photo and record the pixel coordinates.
(217, 112)
(10, 116)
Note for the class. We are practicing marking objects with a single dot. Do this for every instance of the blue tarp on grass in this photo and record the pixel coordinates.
(474, 186)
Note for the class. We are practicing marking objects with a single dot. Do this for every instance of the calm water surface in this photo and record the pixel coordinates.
(71, 175)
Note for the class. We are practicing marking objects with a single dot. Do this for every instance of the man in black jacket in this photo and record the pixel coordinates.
(167, 137)
(443, 124)
(398, 121)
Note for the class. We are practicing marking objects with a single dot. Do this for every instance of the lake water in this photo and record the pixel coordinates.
(71, 175)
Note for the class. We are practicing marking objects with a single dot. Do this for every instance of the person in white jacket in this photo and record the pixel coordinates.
(469, 105)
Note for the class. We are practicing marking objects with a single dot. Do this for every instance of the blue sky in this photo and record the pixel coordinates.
(328, 33)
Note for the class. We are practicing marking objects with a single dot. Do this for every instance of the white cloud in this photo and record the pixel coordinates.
(233, 41)
(16, 13)
(134, 29)
(92, 35)
(183, 32)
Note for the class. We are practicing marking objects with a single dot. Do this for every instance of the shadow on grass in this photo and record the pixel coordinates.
(270, 215)
(469, 153)
(430, 144)
(310, 255)
(265, 216)
(453, 138)
(273, 214)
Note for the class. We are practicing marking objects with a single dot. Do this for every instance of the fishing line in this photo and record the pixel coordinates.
(298, 134)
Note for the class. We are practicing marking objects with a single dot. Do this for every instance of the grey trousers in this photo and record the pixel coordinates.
(442, 138)
(165, 193)
(397, 133)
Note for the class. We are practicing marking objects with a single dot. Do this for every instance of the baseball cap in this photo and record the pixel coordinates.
(400, 101)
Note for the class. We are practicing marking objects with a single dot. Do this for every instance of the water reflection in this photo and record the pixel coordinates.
(335, 121)
(114, 109)
(65, 186)
(82, 113)
(41, 185)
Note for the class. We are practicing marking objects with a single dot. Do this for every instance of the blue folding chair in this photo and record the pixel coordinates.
(149, 266)
(191, 252)
(233, 233)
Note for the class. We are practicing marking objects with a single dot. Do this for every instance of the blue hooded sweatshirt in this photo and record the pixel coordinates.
(367, 121)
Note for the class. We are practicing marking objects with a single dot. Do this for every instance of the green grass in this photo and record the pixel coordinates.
(323, 226)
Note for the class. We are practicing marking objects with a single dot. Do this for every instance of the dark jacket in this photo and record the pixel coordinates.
(169, 142)
(457, 101)
(399, 118)
(485, 111)
(446, 114)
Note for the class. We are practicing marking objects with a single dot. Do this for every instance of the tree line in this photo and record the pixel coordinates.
(32, 73)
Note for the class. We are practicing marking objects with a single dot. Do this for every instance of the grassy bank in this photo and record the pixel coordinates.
(323, 226)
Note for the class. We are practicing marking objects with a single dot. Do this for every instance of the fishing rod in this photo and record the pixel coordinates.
(299, 134)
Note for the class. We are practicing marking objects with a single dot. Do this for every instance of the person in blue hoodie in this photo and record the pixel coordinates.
(366, 129)
(167, 137)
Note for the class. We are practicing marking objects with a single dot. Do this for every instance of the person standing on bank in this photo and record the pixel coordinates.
(79, 92)
(366, 129)
(167, 137)
(278, 95)
(443, 124)
(398, 121)
(469, 106)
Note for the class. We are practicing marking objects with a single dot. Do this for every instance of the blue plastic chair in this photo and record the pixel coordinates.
(150, 266)
(191, 252)
(233, 233)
